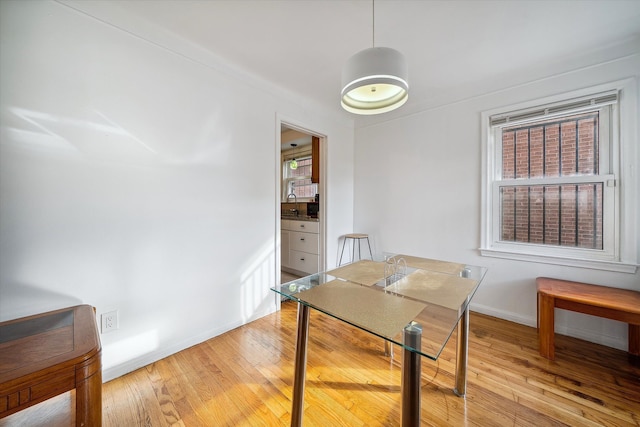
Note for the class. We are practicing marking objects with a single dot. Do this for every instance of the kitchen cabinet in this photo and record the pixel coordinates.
(315, 159)
(284, 247)
(300, 246)
(303, 242)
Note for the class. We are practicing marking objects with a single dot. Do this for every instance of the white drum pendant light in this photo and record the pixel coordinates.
(375, 81)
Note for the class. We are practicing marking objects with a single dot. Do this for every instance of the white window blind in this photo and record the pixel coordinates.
(554, 109)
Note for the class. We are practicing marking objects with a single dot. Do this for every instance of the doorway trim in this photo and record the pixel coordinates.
(322, 190)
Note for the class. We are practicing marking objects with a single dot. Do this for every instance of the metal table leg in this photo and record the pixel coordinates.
(388, 349)
(300, 365)
(411, 377)
(462, 351)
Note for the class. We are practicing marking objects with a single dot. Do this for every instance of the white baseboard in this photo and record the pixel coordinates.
(132, 365)
(619, 342)
(500, 314)
(149, 358)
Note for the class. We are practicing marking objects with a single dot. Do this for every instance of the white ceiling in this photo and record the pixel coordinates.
(302, 45)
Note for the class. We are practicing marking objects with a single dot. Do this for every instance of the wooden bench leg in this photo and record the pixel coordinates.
(89, 392)
(634, 339)
(546, 326)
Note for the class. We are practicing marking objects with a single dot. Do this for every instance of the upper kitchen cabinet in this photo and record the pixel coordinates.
(315, 159)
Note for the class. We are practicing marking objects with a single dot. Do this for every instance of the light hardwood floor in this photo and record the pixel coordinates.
(244, 378)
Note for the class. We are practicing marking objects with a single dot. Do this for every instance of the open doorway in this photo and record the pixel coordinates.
(300, 200)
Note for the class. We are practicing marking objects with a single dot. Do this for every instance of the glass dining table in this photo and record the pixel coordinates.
(413, 302)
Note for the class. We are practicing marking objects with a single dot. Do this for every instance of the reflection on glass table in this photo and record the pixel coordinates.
(410, 301)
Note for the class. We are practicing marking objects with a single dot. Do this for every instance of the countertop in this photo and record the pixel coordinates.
(299, 218)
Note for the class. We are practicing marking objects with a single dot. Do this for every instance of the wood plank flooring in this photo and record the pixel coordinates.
(244, 378)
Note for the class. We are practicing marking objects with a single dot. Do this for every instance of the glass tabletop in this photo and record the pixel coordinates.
(386, 297)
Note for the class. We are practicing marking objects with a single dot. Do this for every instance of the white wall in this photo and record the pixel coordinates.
(418, 191)
(136, 179)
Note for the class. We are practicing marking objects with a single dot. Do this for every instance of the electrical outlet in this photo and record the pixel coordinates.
(109, 321)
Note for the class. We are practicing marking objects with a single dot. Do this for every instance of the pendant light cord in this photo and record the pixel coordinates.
(373, 23)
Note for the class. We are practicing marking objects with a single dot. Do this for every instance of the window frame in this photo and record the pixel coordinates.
(619, 225)
(287, 180)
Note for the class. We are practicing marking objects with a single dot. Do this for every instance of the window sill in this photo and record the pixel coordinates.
(619, 267)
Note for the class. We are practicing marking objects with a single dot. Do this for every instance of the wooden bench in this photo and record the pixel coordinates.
(48, 354)
(612, 303)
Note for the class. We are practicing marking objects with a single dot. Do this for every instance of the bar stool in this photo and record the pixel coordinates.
(355, 237)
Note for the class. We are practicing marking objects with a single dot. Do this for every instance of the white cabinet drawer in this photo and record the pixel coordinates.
(306, 226)
(300, 246)
(303, 261)
(284, 248)
(305, 242)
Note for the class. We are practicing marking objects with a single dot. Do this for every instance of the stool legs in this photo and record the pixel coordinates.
(353, 248)
(344, 242)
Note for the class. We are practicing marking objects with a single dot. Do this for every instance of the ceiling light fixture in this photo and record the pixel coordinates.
(374, 80)
(293, 164)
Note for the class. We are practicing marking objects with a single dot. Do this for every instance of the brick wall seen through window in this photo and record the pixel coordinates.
(299, 180)
(555, 214)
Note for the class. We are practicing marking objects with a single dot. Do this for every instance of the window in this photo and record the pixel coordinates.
(551, 191)
(298, 181)
(552, 184)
